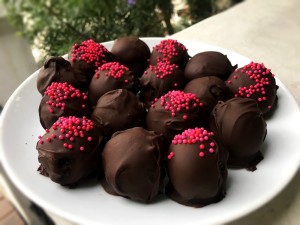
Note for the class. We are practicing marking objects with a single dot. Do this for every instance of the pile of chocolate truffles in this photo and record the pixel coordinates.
(148, 122)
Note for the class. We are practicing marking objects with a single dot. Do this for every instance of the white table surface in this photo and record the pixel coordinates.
(265, 31)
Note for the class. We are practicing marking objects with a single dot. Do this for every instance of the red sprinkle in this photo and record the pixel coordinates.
(169, 48)
(112, 69)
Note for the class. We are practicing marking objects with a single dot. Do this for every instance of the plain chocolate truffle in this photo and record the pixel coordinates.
(196, 167)
(241, 128)
(132, 164)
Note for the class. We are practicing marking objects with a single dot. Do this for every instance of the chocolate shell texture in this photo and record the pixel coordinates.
(68, 151)
(196, 167)
(132, 164)
(160, 79)
(208, 63)
(170, 50)
(111, 76)
(255, 81)
(56, 69)
(133, 53)
(175, 112)
(241, 128)
(118, 110)
(62, 99)
(86, 57)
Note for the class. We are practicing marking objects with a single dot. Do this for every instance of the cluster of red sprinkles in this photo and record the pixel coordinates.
(193, 136)
(89, 51)
(60, 92)
(169, 48)
(260, 75)
(112, 69)
(162, 69)
(175, 101)
(71, 128)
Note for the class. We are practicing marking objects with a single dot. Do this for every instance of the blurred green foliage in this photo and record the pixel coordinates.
(55, 25)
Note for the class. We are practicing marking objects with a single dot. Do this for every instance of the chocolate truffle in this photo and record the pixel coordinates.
(62, 99)
(175, 112)
(68, 151)
(56, 69)
(196, 167)
(160, 79)
(111, 76)
(86, 57)
(255, 81)
(133, 53)
(118, 110)
(132, 164)
(209, 90)
(241, 128)
(170, 50)
(209, 63)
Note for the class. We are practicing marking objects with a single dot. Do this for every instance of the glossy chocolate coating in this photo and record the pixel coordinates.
(258, 83)
(241, 128)
(196, 180)
(132, 164)
(132, 52)
(64, 165)
(56, 69)
(118, 110)
(161, 120)
(102, 83)
(209, 63)
(152, 86)
(73, 106)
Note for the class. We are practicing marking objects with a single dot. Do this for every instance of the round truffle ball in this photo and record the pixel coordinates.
(62, 99)
(175, 112)
(208, 63)
(133, 53)
(170, 50)
(111, 76)
(57, 69)
(241, 128)
(118, 110)
(86, 57)
(255, 81)
(132, 164)
(196, 167)
(209, 90)
(160, 79)
(68, 152)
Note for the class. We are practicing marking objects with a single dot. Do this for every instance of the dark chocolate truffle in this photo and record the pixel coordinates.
(241, 128)
(62, 99)
(209, 90)
(56, 69)
(255, 81)
(68, 151)
(170, 50)
(86, 57)
(209, 63)
(118, 110)
(133, 53)
(111, 76)
(175, 112)
(196, 168)
(132, 164)
(160, 79)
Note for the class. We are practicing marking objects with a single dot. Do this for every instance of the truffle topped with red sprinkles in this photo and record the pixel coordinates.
(174, 112)
(170, 50)
(255, 81)
(196, 168)
(159, 79)
(68, 151)
(111, 76)
(62, 99)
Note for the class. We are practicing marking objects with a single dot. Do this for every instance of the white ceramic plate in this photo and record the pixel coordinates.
(89, 204)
